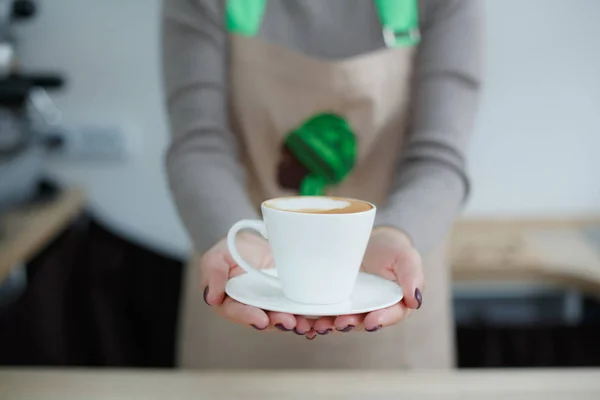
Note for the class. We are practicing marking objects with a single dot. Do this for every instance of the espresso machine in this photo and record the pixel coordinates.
(27, 119)
(27, 113)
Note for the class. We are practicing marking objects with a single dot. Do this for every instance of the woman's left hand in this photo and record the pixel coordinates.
(390, 255)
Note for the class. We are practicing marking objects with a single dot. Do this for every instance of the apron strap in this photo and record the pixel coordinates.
(399, 19)
(244, 17)
(400, 22)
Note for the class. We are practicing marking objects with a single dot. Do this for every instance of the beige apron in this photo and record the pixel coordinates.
(273, 90)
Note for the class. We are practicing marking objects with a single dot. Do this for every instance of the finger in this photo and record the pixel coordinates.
(243, 314)
(302, 325)
(282, 321)
(388, 316)
(409, 274)
(311, 335)
(215, 273)
(347, 323)
(324, 325)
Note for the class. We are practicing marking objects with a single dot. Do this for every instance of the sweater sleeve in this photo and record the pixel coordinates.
(205, 176)
(431, 182)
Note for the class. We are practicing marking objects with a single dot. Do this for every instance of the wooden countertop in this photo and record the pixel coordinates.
(565, 252)
(26, 231)
(127, 384)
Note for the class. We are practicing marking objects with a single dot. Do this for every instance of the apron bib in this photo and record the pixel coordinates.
(312, 126)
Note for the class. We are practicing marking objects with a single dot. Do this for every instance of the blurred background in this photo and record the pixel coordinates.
(91, 250)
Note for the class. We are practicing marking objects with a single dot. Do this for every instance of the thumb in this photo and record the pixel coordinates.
(409, 274)
(215, 273)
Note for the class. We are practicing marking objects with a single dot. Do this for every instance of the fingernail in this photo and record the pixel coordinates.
(346, 329)
(205, 294)
(257, 328)
(299, 333)
(282, 328)
(326, 332)
(378, 327)
(419, 297)
(311, 338)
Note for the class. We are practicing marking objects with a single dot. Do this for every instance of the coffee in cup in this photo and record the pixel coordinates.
(328, 205)
(318, 244)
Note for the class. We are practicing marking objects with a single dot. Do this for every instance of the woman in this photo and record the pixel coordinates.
(254, 89)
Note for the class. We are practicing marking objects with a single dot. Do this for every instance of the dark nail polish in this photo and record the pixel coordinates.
(205, 294)
(326, 332)
(346, 329)
(257, 328)
(378, 327)
(299, 333)
(419, 297)
(282, 328)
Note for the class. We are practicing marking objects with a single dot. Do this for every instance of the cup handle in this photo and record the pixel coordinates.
(255, 225)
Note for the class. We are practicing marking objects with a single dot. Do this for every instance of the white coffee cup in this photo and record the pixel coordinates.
(317, 247)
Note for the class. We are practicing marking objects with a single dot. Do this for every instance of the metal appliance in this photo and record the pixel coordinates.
(27, 116)
(27, 113)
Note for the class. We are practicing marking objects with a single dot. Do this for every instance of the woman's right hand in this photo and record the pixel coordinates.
(217, 267)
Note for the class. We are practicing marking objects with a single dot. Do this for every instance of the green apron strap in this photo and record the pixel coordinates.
(400, 22)
(399, 19)
(244, 17)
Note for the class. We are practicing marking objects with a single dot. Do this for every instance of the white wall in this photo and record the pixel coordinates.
(534, 152)
(538, 136)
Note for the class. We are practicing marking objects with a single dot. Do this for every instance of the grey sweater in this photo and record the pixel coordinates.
(204, 172)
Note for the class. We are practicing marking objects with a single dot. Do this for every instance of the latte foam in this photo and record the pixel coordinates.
(319, 205)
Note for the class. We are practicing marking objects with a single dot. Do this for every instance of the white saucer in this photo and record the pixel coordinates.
(370, 293)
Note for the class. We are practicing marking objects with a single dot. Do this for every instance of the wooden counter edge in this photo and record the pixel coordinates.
(274, 384)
